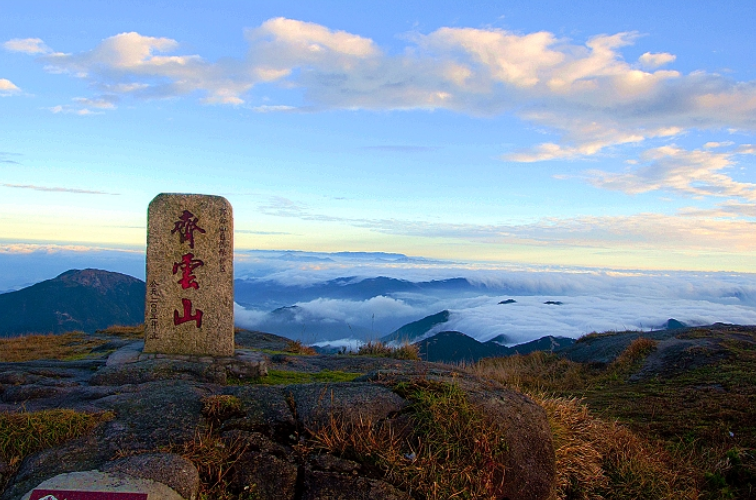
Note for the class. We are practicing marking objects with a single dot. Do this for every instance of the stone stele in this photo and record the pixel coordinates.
(190, 275)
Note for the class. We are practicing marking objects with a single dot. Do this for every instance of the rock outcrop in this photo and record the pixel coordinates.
(160, 404)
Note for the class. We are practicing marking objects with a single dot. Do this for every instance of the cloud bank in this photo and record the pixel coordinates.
(592, 300)
(586, 92)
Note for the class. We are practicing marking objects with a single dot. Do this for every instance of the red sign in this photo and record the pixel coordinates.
(84, 495)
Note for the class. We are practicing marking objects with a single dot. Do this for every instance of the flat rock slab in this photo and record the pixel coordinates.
(95, 485)
(131, 365)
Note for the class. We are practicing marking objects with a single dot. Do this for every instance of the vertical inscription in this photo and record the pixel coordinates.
(224, 241)
(190, 272)
(153, 303)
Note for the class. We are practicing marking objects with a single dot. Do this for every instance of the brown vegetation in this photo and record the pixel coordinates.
(67, 346)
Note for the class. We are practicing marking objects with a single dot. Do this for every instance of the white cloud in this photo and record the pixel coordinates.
(701, 232)
(272, 109)
(649, 60)
(586, 93)
(592, 300)
(7, 87)
(27, 45)
(696, 173)
(101, 102)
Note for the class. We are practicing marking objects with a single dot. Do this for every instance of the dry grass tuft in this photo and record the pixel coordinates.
(450, 450)
(379, 349)
(374, 348)
(128, 332)
(538, 371)
(635, 353)
(598, 459)
(22, 434)
(215, 459)
(66, 346)
(217, 408)
(297, 347)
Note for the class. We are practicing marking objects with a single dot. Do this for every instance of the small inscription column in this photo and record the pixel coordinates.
(190, 278)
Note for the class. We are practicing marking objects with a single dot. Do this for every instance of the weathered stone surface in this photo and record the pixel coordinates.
(266, 409)
(266, 477)
(530, 464)
(157, 414)
(129, 365)
(315, 404)
(172, 470)
(270, 425)
(190, 290)
(333, 486)
(160, 369)
(105, 482)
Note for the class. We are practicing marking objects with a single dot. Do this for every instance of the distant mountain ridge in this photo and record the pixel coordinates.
(85, 300)
(456, 347)
(270, 294)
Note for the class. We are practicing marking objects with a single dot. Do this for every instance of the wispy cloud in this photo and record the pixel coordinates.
(87, 106)
(7, 87)
(27, 46)
(4, 158)
(56, 189)
(248, 231)
(695, 173)
(694, 231)
(399, 148)
(586, 93)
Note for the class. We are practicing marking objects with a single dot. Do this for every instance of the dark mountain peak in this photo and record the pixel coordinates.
(97, 279)
(412, 331)
(507, 301)
(453, 347)
(673, 324)
(87, 300)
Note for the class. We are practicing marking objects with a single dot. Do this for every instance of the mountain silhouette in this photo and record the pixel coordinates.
(85, 300)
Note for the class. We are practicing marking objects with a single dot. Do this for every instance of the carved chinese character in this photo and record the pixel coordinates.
(188, 316)
(186, 225)
(187, 265)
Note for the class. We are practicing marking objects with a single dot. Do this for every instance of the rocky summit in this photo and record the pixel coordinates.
(288, 425)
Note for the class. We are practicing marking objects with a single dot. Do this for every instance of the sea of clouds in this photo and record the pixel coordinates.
(592, 299)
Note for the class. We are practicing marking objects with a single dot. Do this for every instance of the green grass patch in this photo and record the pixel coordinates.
(285, 377)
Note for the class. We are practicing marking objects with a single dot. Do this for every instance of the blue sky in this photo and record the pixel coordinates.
(577, 133)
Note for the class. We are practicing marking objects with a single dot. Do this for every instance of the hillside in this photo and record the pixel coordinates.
(85, 300)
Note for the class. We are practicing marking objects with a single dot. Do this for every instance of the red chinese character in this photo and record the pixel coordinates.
(186, 225)
(188, 316)
(187, 265)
